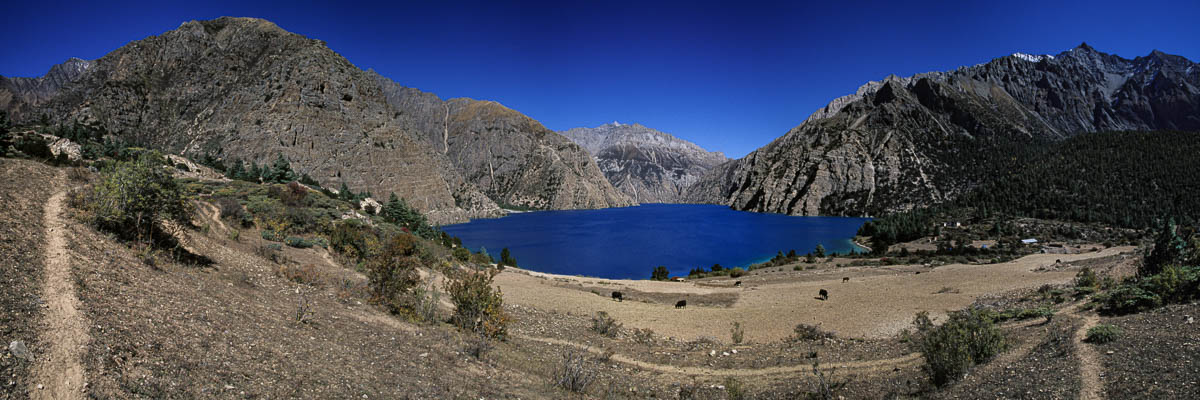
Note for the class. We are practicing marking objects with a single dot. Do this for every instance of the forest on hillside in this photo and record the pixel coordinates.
(1120, 179)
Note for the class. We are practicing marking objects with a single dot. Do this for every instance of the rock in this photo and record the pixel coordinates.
(18, 350)
(1190, 320)
(895, 143)
(645, 164)
(1110, 352)
(725, 354)
(712, 353)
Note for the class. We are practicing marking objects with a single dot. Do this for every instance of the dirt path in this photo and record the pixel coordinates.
(868, 366)
(59, 375)
(1089, 361)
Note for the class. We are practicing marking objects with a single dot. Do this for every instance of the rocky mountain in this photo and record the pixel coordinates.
(647, 165)
(513, 158)
(19, 95)
(246, 89)
(902, 142)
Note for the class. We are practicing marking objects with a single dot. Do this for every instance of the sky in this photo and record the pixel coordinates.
(730, 76)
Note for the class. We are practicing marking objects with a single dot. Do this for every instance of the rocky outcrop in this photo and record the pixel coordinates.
(514, 159)
(647, 165)
(244, 88)
(903, 142)
(19, 95)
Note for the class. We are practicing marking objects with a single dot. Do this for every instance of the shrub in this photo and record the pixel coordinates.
(574, 373)
(1086, 278)
(643, 336)
(132, 196)
(308, 274)
(478, 307)
(298, 242)
(734, 389)
(426, 298)
(271, 235)
(605, 325)
(736, 333)
(462, 254)
(393, 273)
(968, 338)
(806, 332)
(232, 210)
(737, 272)
(1127, 299)
(1103, 333)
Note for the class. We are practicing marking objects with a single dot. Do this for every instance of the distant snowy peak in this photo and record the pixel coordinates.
(1031, 57)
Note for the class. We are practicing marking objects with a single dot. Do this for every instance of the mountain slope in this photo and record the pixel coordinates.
(19, 95)
(514, 159)
(648, 165)
(903, 142)
(244, 88)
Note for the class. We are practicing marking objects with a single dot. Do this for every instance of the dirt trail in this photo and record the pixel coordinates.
(869, 366)
(1089, 360)
(59, 375)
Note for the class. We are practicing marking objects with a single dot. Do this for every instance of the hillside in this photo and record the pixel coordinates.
(513, 158)
(918, 140)
(648, 165)
(19, 96)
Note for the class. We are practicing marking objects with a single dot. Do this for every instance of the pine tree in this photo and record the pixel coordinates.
(1169, 249)
(280, 171)
(235, 170)
(820, 252)
(344, 193)
(660, 273)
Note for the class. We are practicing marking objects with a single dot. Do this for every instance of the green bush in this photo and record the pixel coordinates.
(462, 254)
(478, 307)
(737, 272)
(298, 242)
(1127, 299)
(393, 274)
(968, 338)
(660, 273)
(131, 197)
(1086, 278)
(1103, 333)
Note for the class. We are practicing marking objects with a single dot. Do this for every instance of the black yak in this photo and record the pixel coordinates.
(681, 304)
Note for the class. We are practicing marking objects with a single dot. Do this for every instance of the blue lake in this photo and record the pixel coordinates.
(627, 243)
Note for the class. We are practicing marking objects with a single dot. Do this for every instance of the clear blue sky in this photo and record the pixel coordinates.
(730, 76)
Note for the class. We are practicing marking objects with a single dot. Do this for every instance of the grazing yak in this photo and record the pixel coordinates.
(824, 294)
(738, 284)
(681, 304)
(845, 279)
(618, 296)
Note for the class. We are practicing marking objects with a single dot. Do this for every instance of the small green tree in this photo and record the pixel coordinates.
(478, 307)
(1169, 248)
(132, 196)
(393, 274)
(820, 251)
(969, 337)
(660, 273)
(235, 170)
(280, 171)
(506, 258)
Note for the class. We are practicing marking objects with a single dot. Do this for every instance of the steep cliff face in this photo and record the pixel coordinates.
(19, 95)
(244, 88)
(514, 159)
(645, 164)
(903, 142)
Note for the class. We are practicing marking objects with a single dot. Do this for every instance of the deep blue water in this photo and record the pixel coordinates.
(629, 242)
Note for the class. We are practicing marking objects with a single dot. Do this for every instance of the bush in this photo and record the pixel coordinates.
(605, 325)
(1127, 299)
(660, 273)
(806, 332)
(968, 338)
(1086, 278)
(393, 273)
(478, 307)
(307, 274)
(298, 242)
(737, 272)
(232, 210)
(462, 254)
(1103, 333)
(736, 333)
(574, 373)
(132, 196)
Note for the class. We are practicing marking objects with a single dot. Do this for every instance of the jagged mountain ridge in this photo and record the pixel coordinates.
(648, 165)
(902, 142)
(511, 157)
(19, 95)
